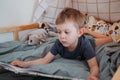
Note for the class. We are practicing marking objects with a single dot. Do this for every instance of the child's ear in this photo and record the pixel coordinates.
(81, 32)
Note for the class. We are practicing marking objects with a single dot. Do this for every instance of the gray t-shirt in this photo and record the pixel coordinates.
(83, 51)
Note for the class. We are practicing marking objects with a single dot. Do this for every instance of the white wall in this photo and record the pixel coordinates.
(15, 12)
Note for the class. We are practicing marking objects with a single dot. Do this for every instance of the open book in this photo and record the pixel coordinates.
(28, 71)
(17, 70)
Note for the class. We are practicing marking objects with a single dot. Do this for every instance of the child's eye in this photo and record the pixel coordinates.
(66, 32)
(59, 32)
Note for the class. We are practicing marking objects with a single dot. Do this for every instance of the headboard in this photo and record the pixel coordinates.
(16, 29)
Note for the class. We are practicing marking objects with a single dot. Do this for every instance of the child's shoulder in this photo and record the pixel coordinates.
(86, 39)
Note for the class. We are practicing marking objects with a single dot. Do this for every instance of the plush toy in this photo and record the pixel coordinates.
(40, 35)
(51, 30)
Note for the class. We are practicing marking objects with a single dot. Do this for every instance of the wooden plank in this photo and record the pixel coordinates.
(16, 29)
(6, 30)
(26, 27)
(16, 35)
(117, 74)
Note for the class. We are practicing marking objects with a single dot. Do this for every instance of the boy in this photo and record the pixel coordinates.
(72, 44)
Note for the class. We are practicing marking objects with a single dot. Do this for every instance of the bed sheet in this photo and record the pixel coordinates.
(62, 68)
(108, 56)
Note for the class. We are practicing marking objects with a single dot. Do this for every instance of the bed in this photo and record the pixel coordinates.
(108, 56)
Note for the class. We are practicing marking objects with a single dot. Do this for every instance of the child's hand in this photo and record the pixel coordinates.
(91, 77)
(19, 63)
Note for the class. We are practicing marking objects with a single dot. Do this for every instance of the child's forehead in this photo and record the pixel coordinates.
(66, 27)
(66, 24)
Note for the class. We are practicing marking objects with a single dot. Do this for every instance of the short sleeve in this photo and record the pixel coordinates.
(56, 47)
(91, 40)
(89, 51)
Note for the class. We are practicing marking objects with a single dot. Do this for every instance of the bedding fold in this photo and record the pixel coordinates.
(108, 56)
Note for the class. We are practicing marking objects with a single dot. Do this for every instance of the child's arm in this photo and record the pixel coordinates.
(93, 33)
(99, 38)
(48, 58)
(94, 70)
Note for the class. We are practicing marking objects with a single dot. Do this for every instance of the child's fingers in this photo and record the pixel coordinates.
(94, 78)
(15, 63)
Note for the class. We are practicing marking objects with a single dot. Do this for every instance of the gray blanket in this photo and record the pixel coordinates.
(108, 57)
(62, 68)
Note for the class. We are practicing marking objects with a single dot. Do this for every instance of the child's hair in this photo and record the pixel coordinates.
(72, 15)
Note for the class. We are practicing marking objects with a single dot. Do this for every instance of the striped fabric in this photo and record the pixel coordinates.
(54, 7)
(107, 10)
(40, 10)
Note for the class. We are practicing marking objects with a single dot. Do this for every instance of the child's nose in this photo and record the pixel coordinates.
(62, 35)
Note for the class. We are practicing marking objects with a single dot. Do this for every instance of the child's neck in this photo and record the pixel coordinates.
(73, 47)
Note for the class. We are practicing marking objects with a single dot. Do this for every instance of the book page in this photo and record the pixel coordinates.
(18, 69)
(11, 67)
(28, 71)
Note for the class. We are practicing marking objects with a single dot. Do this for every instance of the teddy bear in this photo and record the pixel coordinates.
(40, 35)
(37, 36)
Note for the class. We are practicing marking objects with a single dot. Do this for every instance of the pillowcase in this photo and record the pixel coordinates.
(100, 26)
(114, 31)
(107, 10)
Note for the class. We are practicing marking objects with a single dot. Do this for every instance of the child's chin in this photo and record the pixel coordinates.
(65, 45)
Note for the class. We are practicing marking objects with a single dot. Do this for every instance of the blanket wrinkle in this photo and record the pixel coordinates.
(115, 61)
(61, 73)
(108, 56)
(14, 46)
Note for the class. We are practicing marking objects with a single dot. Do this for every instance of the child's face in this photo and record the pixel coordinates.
(68, 34)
